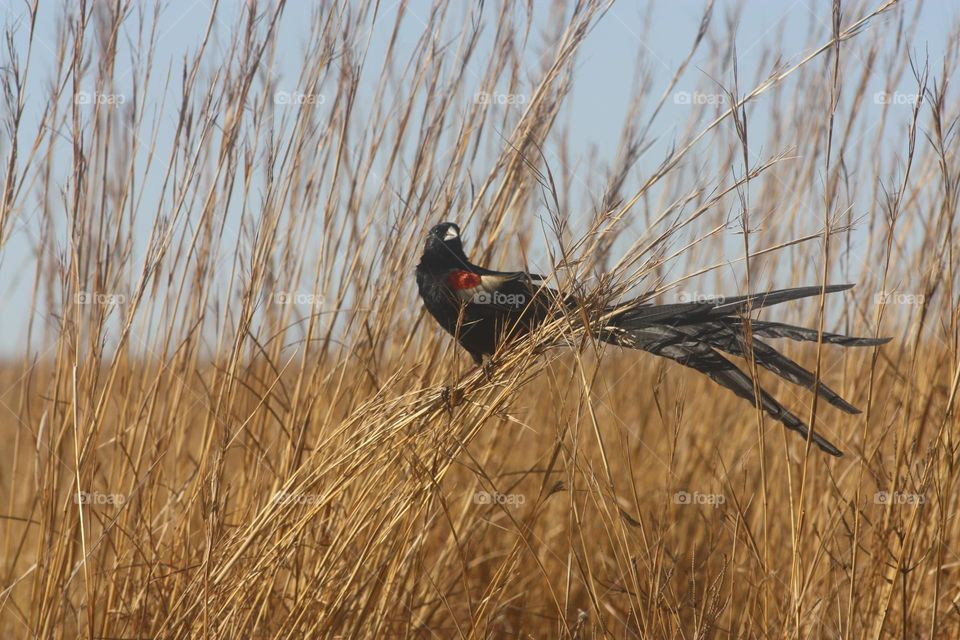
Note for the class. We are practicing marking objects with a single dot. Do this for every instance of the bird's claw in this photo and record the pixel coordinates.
(487, 368)
(451, 396)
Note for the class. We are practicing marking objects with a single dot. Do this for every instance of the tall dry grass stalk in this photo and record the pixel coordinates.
(232, 419)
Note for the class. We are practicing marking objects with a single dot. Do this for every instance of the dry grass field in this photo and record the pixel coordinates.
(230, 417)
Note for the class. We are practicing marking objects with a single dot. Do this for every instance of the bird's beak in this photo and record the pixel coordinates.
(451, 234)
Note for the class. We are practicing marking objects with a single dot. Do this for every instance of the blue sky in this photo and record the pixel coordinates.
(616, 52)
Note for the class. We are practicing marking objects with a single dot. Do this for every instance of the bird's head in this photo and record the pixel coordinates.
(444, 244)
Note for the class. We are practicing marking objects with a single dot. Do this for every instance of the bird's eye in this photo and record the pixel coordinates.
(451, 234)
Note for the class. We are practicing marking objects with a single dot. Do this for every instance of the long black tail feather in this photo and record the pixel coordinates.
(766, 329)
(677, 346)
(730, 340)
(693, 333)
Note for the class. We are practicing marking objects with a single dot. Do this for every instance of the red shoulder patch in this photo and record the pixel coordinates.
(461, 279)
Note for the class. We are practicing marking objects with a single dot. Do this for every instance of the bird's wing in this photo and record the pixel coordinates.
(494, 290)
(510, 275)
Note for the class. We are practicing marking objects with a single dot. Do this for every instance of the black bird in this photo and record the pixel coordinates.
(483, 309)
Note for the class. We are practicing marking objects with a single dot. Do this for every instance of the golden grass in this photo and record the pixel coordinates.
(268, 442)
